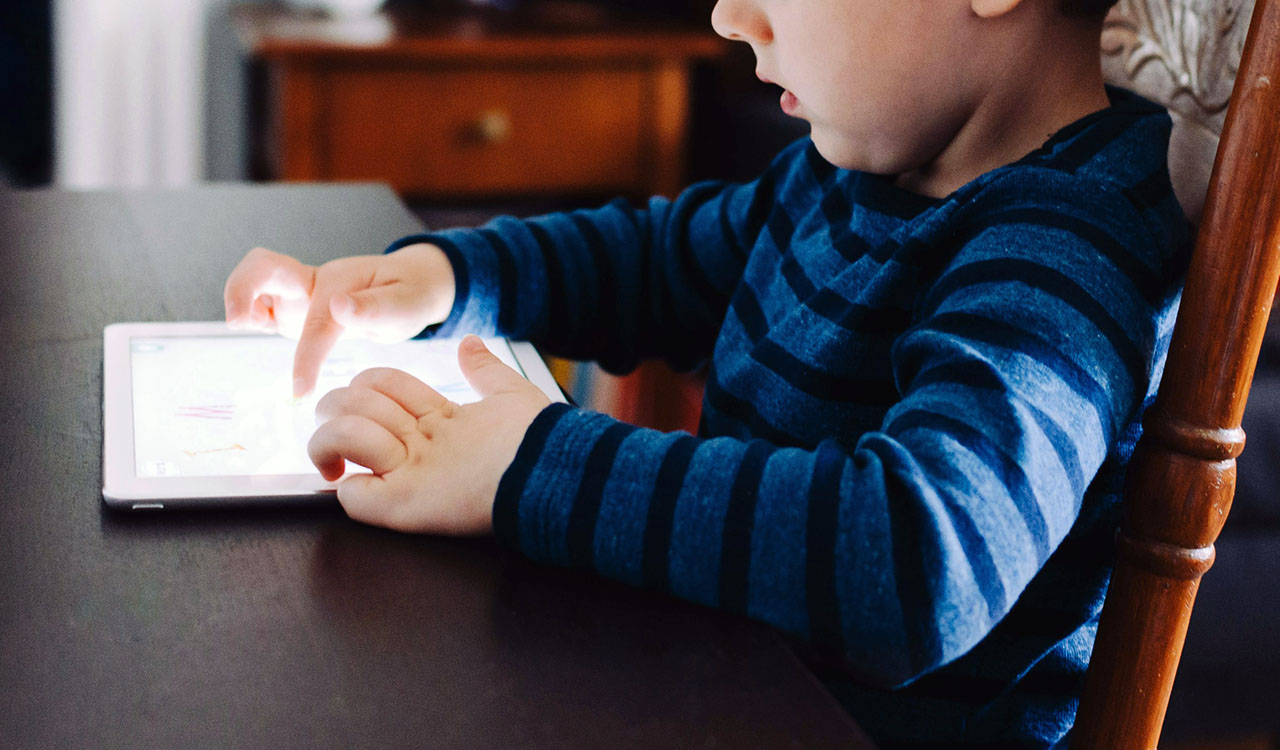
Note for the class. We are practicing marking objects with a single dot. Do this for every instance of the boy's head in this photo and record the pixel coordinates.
(892, 86)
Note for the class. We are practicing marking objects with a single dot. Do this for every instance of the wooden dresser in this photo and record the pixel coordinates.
(560, 100)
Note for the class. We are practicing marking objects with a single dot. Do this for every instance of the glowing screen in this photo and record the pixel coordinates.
(223, 405)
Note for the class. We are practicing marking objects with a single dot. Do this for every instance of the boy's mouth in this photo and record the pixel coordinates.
(790, 104)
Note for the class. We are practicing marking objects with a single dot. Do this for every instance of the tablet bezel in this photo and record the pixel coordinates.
(123, 489)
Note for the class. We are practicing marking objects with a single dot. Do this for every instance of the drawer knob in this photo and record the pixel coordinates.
(493, 126)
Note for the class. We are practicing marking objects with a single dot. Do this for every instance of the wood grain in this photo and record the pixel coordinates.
(592, 106)
(301, 628)
(1182, 476)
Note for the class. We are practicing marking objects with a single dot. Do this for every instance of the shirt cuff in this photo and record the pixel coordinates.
(473, 310)
(506, 504)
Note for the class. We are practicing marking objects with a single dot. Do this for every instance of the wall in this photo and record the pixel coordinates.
(129, 92)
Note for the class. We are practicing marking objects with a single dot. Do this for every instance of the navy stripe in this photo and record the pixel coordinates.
(858, 318)
(837, 208)
(803, 376)
(506, 503)
(560, 326)
(970, 373)
(508, 305)
(1091, 142)
(1147, 281)
(758, 209)
(704, 289)
(891, 250)
(821, 530)
(822, 171)
(662, 511)
(749, 313)
(981, 375)
(1005, 335)
(1064, 445)
(976, 550)
(1007, 470)
(605, 281)
(780, 228)
(1151, 191)
(851, 246)
(819, 384)
(801, 287)
(724, 403)
(930, 258)
(1051, 680)
(1054, 283)
(917, 567)
(1175, 268)
(580, 538)
(737, 244)
(878, 193)
(739, 521)
(579, 263)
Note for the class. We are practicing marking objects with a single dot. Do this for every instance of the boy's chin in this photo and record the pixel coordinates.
(853, 154)
(841, 153)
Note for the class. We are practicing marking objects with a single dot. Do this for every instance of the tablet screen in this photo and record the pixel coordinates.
(223, 405)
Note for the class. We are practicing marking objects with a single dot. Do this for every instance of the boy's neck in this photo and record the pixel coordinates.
(1026, 103)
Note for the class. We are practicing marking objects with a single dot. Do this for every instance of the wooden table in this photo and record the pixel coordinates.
(562, 99)
(301, 628)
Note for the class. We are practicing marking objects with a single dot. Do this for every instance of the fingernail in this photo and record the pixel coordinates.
(299, 387)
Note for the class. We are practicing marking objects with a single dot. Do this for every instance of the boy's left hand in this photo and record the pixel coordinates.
(436, 464)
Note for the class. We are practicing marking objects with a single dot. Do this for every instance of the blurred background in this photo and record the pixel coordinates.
(137, 93)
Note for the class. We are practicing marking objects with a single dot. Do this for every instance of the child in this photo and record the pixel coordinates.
(931, 329)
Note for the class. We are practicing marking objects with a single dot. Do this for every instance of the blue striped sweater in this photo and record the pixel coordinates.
(916, 421)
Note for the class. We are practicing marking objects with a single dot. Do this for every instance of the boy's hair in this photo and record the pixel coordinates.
(1086, 8)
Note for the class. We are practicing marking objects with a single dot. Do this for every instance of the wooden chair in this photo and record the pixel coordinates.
(1182, 477)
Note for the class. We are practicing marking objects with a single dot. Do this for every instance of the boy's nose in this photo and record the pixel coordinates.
(741, 20)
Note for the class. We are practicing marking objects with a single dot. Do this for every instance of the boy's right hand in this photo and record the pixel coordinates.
(382, 297)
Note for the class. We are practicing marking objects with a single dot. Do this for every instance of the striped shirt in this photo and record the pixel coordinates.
(917, 416)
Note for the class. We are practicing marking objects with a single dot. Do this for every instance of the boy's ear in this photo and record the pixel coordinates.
(993, 8)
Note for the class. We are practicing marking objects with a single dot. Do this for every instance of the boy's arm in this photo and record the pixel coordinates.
(616, 284)
(903, 550)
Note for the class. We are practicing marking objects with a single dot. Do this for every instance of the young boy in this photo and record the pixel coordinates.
(931, 330)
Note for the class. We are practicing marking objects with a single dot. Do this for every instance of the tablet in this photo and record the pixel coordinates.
(199, 415)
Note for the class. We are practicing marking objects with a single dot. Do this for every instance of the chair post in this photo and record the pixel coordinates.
(1182, 476)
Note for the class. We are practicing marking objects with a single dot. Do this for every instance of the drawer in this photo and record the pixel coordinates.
(466, 132)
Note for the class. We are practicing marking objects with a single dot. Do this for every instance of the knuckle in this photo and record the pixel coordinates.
(374, 377)
(317, 321)
(344, 429)
(332, 404)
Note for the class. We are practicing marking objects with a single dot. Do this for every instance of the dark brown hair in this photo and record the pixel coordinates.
(1086, 8)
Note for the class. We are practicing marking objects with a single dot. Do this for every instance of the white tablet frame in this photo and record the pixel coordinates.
(123, 489)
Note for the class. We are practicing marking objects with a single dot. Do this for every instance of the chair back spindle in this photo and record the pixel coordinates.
(1182, 476)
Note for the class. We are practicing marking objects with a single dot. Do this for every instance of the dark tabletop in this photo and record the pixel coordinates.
(300, 628)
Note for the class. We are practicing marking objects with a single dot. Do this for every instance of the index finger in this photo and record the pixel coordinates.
(260, 272)
(319, 333)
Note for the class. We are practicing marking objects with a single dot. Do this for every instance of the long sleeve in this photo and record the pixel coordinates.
(900, 548)
(917, 420)
(616, 284)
